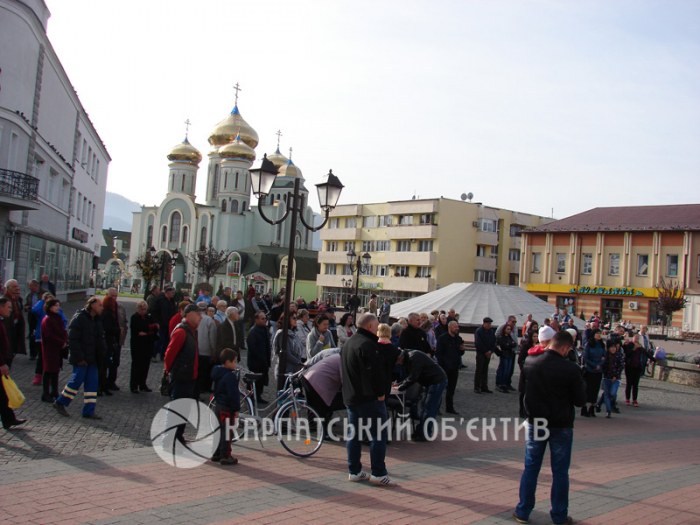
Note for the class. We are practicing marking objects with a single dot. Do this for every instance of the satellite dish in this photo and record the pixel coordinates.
(470, 196)
(464, 196)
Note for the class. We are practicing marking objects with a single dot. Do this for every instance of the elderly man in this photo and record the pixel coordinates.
(14, 323)
(485, 342)
(182, 364)
(116, 354)
(226, 296)
(47, 285)
(206, 348)
(413, 337)
(364, 389)
(227, 334)
(450, 348)
(259, 355)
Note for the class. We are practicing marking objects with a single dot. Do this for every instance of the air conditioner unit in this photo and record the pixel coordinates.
(634, 305)
(475, 224)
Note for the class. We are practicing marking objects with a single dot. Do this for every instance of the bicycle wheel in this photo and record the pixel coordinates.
(299, 429)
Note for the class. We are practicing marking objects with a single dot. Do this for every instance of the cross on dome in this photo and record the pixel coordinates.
(237, 88)
(290, 153)
(279, 135)
(187, 128)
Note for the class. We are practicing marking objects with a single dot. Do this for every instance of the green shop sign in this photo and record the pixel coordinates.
(601, 290)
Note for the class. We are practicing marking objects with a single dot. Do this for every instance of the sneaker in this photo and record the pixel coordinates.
(519, 520)
(569, 521)
(92, 416)
(511, 388)
(477, 391)
(216, 458)
(60, 409)
(487, 391)
(46, 398)
(362, 476)
(627, 402)
(636, 404)
(607, 415)
(384, 481)
(504, 390)
(229, 461)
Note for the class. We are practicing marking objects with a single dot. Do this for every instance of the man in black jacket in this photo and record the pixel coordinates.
(553, 387)
(450, 348)
(485, 342)
(420, 368)
(363, 394)
(413, 337)
(86, 341)
(259, 359)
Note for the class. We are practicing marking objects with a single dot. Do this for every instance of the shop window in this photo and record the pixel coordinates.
(614, 268)
(672, 265)
(642, 265)
(544, 298)
(656, 317)
(561, 263)
(568, 304)
(587, 264)
(612, 310)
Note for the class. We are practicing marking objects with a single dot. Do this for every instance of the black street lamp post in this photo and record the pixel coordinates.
(262, 179)
(162, 262)
(358, 265)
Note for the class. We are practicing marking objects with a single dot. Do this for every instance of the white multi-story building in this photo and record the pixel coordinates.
(53, 165)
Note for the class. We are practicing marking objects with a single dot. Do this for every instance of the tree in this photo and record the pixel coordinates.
(208, 261)
(671, 299)
(149, 270)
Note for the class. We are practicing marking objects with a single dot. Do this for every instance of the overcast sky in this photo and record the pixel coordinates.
(529, 105)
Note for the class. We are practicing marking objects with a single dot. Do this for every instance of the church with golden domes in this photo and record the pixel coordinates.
(225, 217)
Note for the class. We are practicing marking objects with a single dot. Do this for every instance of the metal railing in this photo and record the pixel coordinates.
(20, 185)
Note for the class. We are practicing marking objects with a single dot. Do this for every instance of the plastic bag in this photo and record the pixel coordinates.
(15, 396)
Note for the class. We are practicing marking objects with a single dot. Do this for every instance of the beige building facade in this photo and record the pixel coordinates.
(418, 246)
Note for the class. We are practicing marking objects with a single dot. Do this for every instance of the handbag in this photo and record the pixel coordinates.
(165, 384)
(15, 397)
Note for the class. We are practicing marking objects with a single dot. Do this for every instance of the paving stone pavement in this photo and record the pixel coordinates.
(638, 467)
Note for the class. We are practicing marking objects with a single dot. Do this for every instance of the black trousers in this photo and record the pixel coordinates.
(204, 367)
(632, 376)
(593, 381)
(452, 377)
(225, 417)
(50, 381)
(481, 374)
(140, 364)
(114, 365)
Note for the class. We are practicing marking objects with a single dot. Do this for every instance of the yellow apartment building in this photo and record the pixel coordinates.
(610, 259)
(418, 246)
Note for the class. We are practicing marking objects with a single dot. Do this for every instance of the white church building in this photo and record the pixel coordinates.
(226, 218)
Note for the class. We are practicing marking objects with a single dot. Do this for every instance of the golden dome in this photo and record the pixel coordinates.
(226, 130)
(290, 170)
(278, 159)
(185, 152)
(237, 150)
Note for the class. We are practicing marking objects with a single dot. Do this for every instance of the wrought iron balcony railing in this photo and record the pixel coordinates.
(19, 185)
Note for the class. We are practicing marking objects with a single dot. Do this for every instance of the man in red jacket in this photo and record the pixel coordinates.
(7, 415)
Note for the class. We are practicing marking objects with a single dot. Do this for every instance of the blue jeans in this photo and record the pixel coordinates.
(610, 392)
(430, 410)
(560, 442)
(81, 374)
(372, 413)
(504, 373)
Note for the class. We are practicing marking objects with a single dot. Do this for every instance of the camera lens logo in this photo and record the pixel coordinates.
(169, 425)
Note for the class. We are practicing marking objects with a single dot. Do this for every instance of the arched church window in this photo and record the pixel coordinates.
(172, 183)
(236, 180)
(234, 206)
(203, 238)
(285, 197)
(234, 265)
(183, 182)
(226, 180)
(272, 199)
(164, 237)
(215, 188)
(149, 237)
(244, 206)
(185, 231)
(279, 197)
(223, 205)
(245, 182)
(175, 222)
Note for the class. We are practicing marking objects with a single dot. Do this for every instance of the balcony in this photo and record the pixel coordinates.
(410, 258)
(485, 263)
(347, 210)
(412, 231)
(409, 284)
(334, 281)
(333, 257)
(487, 238)
(340, 234)
(411, 207)
(513, 266)
(18, 191)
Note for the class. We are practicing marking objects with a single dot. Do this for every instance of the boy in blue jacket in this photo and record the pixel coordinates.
(228, 402)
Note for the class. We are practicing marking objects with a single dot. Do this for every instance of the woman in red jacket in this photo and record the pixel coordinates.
(53, 341)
